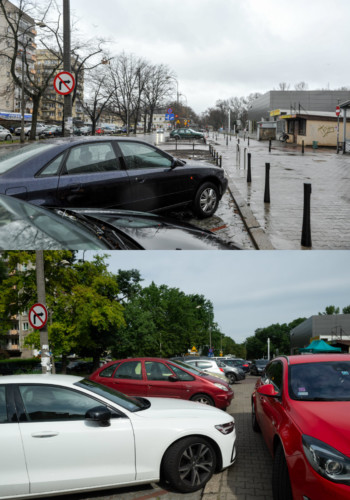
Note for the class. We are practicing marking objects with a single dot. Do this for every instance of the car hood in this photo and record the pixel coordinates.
(153, 232)
(165, 407)
(327, 421)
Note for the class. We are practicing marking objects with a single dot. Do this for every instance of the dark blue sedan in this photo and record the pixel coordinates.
(109, 172)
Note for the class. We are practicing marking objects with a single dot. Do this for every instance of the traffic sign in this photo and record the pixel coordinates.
(37, 316)
(169, 116)
(169, 111)
(64, 83)
(337, 110)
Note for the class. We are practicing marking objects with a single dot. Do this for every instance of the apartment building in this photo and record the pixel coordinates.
(10, 94)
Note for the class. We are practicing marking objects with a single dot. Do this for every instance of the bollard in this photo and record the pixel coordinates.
(249, 174)
(230, 136)
(210, 148)
(238, 140)
(306, 231)
(193, 147)
(175, 144)
(217, 158)
(245, 157)
(227, 140)
(269, 145)
(248, 140)
(302, 147)
(267, 183)
(220, 162)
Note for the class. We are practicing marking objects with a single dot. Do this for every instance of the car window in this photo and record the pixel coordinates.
(138, 155)
(204, 365)
(45, 402)
(3, 411)
(91, 158)
(157, 371)
(108, 372)
(52, 168)
(274, 375)
(181, 374)
(329, 381)
(130, 370)
(17, 156)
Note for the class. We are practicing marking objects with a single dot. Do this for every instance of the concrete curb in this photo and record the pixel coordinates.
(257, 234)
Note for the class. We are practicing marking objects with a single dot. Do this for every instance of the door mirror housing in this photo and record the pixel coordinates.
(99, 414)
(268, 390)
(173, 378)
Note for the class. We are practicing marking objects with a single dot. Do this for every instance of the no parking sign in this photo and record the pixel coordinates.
(37, 316)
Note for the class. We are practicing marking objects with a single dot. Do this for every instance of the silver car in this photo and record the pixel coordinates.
(5, 134)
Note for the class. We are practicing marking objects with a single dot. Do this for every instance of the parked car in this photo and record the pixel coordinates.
(72, 435)
(186, 133)
(109, 172)
(5, 134)
(52, 131)
(85, 130)
(241, 363)
(202, 365)
(258, 366)
(39, 128)
(79, 367)
(25, 226)
(212, 366)
(158, 377)
(301, 405)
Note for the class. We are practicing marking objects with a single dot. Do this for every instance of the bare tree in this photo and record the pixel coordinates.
(301, 86)
(283, 86)
(158, 87)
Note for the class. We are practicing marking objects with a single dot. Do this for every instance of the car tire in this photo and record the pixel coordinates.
(232, 378)
(206, 200)
(281, 487)
(255, 425)
(8, 138)
(189, 464)
(203, 398)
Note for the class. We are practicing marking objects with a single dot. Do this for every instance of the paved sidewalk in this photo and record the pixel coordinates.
(282, 219)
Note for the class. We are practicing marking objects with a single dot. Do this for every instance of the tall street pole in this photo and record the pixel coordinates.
(67, 108)
(22, 98)
(44, 336)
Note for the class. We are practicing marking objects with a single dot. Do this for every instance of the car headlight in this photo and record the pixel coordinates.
(327, 461)
(222, 387)
(225, 428)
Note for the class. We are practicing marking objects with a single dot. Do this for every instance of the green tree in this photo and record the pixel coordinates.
(346, 310)
(330, 310)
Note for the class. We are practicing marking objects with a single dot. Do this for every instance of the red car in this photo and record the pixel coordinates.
(301, 405)
(158, 377)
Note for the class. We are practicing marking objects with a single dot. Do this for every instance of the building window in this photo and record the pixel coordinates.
(302, 127)
(25, 326)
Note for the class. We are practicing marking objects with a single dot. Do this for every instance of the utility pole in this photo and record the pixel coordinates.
(67, 108)
(44, 336)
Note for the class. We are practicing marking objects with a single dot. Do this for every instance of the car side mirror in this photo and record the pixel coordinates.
(178, 163)
(173, 378)
(99, 414)
(267, 390)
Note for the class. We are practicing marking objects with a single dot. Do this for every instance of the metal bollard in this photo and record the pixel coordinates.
(227, 140)
(220, 162)
(217, 158)
(245, 157)
(269, 145)
(175, 144)
(249, 174)
(302, 147)
(306, 230)
(248, 140)
(267, 183)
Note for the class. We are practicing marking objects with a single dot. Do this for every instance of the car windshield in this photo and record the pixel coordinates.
(130, 404)
(189, 368)
(323, 381)
(29, 227)
(13, 158)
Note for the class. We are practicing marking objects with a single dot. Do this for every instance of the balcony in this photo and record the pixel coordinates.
(14, 332)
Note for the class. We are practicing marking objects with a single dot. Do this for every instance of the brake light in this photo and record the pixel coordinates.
(221, 369)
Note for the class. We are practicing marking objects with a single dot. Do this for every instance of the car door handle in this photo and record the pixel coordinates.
(44, 434)
(75, 188)
(140, 179)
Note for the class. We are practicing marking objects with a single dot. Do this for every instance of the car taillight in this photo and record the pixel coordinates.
(221, 369)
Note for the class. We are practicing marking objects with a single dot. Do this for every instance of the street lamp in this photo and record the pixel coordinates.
(177, 87)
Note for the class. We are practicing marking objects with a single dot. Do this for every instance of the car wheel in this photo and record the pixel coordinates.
(255, 425)
(189, 464)
(203, 398)
(232, 378)
(8, 138)
(206, 200)
(281, 488)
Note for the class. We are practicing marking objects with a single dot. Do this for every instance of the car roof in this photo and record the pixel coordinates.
(315, 358)
(66, 380)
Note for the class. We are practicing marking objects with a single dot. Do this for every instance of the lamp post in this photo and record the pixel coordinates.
(177, 88)
(44, 336)
(22, 97)
(67, 108)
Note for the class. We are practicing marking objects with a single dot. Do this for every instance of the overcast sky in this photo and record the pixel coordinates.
(248, 289)
(226, 48)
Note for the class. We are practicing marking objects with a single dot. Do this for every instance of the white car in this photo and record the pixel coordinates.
(39, 128)
(5, 134)
(61, 434)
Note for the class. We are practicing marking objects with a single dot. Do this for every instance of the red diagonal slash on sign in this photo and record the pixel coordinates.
(37, 315)
(64, 80)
